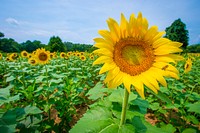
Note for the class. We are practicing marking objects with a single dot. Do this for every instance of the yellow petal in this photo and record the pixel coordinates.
(106, 34)
(114, 29)
(137, 83)
(104, 45)
(127, 82)
(106, 67)
(102, 59)
(149, 85)
(148, 76)
(151, 33)
(164, 59)
(161, 41)
(159, 75)
(163, 50)
(123, 26)
(159, 35)
(116, 81)
(104, 51)
(112, 74)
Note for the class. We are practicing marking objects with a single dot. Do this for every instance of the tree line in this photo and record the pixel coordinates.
(55, 44)
(176, 32)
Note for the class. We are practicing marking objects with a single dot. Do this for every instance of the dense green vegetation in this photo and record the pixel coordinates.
(53, 97)
(55, 45)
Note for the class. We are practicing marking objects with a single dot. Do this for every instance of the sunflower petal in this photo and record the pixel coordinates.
(112, 74)
(137, 83)
(102, 59)
(116, 81)
(107, 67)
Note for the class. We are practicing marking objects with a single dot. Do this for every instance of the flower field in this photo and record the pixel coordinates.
(68, 95)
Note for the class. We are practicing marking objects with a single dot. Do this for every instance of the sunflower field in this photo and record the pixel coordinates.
(136, 81)
(68, 94)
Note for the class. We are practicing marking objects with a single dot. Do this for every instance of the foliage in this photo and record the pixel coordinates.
(56, 44)
(43, 98)
(9, 45)
(1, 34)
(31, 46)
(78, 47)
(177, 32)
(49, 98)
(193, 48)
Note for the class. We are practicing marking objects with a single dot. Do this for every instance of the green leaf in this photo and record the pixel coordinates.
(98, 91)
(195, 107)
(115, 128)
(189, 130)
(118, 96)
(32, 110)
(168, 128)
(142, 104)
(138, 124)
(154, 106)
(193, 119)
(8, 118)
(163, 97)
(93, 121)
(10, 78)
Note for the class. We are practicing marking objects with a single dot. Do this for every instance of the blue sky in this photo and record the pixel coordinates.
(78, 21)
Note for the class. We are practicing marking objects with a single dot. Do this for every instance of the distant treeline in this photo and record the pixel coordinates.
(55, 44)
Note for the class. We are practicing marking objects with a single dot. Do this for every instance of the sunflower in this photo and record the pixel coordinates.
(91, 57)
(78, 54)
(42, 56)
(24, 54)
(62, 55)
(82, 57)
(12, 57)
(82, 53)
(188, 65)
(69, 53)
(32, 61)
(1, 55)
(136, 55)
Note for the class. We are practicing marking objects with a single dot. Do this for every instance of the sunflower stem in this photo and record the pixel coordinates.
(124, 107)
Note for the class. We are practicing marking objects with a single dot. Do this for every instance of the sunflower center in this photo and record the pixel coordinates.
(133, 56)
(33, 61)
(43, 56)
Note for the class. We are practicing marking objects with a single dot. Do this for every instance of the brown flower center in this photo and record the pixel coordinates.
(43, 56)
(133, 56)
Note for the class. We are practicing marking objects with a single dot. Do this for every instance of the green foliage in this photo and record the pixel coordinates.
(9, 45)
(1, 34)
(78, 47)
(31, 46)
(193, 48)
(177, 32)
(56, 45)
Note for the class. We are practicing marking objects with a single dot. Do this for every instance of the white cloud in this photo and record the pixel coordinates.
(12, 21)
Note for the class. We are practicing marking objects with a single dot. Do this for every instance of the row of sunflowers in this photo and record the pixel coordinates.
(42, 56)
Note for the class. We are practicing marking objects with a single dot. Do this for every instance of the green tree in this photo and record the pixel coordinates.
(56, 44)
(177, 32)
(9, 45)
(1, 34)
(195, 48)
(31, 46)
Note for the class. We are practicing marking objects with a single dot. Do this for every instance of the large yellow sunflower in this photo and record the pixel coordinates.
(42, 56)
(134, 54)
